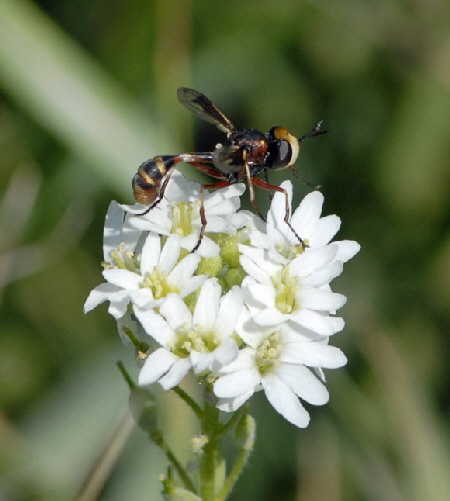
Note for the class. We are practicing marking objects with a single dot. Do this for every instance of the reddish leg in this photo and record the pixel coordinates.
(212, 186)
(270, 187)
(250, 182)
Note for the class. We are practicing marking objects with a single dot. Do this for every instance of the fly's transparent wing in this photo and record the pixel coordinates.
(203, 107)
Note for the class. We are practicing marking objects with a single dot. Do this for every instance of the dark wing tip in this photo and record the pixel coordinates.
(187, 95)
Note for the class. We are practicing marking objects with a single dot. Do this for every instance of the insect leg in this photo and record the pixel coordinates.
(250, 182)
(213, 186)
(270, 187)
(302, 179)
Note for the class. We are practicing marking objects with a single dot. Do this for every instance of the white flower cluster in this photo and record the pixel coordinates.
(250, 310)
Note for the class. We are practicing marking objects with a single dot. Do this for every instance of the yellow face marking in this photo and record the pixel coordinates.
(282, 133)
(295, 145)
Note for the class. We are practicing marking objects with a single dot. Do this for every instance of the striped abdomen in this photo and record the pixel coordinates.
(147, 181)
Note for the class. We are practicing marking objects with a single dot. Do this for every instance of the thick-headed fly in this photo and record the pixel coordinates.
(244, 155)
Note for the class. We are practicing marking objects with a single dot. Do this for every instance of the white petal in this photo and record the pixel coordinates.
(259, 295)
(225, 354)
(192, 285)
(284, 401)
(303, 383)
(321, 300)
(156, 221)
(99, 295)
(118, 304)
(155, 325)
(254, 270)
(248, 330)
(257, 264)
(229, 311)
(246, 219)
(180, 188)
(325, 230)
(324, 275)
(312, 260)
(144, 298)
(216, 202)
(176, 373)
(270, 317)
(175, 311)
(201, 361)
(233, 404)
(207, 304)
(112, 233)
(313, 354)
(277, 209)
(133, 209)
(183, 270)
(245, 360)
(307, 215)
(130, 235)
(337, 324)
(260, 240)
(216, 224)
(123, 278)
(347, 249)
(150, 253)
(313, 321)
(157, 364)
(207, 247)
(129, 322)
(237, 383)
(170, 254)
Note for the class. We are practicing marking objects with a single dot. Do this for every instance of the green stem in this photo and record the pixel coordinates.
(137, 343)
(234, 474)
(131, 384)
(247, 426)
(189, 401)
(158, 439)
(211, 457)
(236, 416)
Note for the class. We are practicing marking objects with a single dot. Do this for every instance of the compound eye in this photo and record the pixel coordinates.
(283, 154)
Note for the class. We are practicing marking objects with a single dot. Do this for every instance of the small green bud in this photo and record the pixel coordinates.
(210, 266)
(143, 408)
(245, 432)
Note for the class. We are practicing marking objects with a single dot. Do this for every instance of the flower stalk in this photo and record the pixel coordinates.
(210, 459)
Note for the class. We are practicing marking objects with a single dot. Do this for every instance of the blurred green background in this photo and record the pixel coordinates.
(88, 92)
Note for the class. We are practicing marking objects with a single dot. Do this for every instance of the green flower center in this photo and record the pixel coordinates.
(268, 353)
(183, 214)
(157, 282)
(286, 288)
(194, 338)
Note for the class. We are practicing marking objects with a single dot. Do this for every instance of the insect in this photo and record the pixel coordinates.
(244, 155)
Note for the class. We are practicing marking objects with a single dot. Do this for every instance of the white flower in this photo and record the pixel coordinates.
(306, 220)
(157, 274)
(179, 212)
(201, 340)
(277, 362)
(297, 292)
(269, 332)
